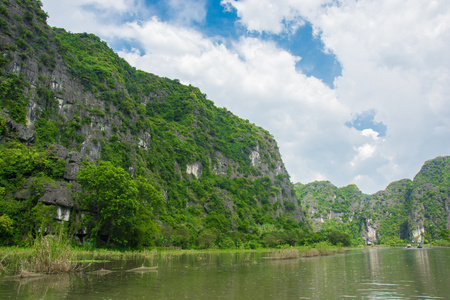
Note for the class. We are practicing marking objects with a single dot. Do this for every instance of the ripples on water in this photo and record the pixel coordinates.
(378, 273)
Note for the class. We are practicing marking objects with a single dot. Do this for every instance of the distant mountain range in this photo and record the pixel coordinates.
(416, 210)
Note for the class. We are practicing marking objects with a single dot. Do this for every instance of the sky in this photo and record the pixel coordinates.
(354, 91)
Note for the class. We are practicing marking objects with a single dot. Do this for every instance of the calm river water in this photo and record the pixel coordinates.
(377, 273)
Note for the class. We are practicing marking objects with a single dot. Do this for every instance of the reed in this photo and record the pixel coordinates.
(320, 249)
(51, 255)
(11, 259)
(309, 252)
(111, 254)
(288, 253)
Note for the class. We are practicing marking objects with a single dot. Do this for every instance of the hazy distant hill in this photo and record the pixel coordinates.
(409, 210)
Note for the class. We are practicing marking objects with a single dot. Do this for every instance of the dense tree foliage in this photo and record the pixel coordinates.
(116, 205)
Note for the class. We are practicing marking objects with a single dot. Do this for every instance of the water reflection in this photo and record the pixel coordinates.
(362, 274)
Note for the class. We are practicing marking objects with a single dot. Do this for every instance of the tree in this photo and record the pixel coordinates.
(150, 203)
(445, 234)
(150, 196)
(336, 237)
(111, 199)
(6, 230)
(207, 237)
(119, 207)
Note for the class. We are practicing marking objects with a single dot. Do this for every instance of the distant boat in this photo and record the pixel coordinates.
(408, 246)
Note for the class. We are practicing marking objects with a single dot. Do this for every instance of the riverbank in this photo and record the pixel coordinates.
(54, 255)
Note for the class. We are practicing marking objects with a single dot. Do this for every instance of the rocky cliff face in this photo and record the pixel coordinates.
(84, 102)
(430, 199)
(409, 210)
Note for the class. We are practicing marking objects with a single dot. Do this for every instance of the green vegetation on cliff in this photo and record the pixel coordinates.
(405, 211)
(124, 157)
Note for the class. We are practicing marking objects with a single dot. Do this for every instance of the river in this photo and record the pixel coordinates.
(375, 273)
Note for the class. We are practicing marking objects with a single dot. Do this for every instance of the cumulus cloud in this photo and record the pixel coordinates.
(95, 16)
(370, 133)
(186, 12)
(394, 61)
(363, 152)
(273, 16)
(394, 58)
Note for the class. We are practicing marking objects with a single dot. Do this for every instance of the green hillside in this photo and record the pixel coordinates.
(126, 157)
(406, 211)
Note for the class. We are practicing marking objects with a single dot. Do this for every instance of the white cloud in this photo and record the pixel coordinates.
(91, 15)
(370, 133)
(272, 16)
(362, 153)
(187, 12)
(394, 57)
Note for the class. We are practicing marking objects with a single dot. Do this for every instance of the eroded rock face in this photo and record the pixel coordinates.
(418, 234)
(75, 157)
(224, 166)
(76, 189)
(57, 193)
(144, 140)
(255, 157)
(369, 232)
(195, 169)
(22, 132)
(63, 213)
(60, 151)
(72, 170)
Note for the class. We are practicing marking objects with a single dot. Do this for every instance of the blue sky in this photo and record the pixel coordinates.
(223, 23)
(352, 91)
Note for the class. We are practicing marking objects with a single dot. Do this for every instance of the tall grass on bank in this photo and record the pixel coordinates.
(51, 255)
(319, 249)
(11, 259)
(288, 253)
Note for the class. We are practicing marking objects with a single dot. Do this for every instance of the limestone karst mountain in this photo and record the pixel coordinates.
(70, 101)
(414, 210)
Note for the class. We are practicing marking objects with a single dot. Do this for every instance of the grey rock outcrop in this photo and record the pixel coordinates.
(195, 169)
(75, 157)
(57, 193)
(72, 170)
(22, 132)
(60, 151)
